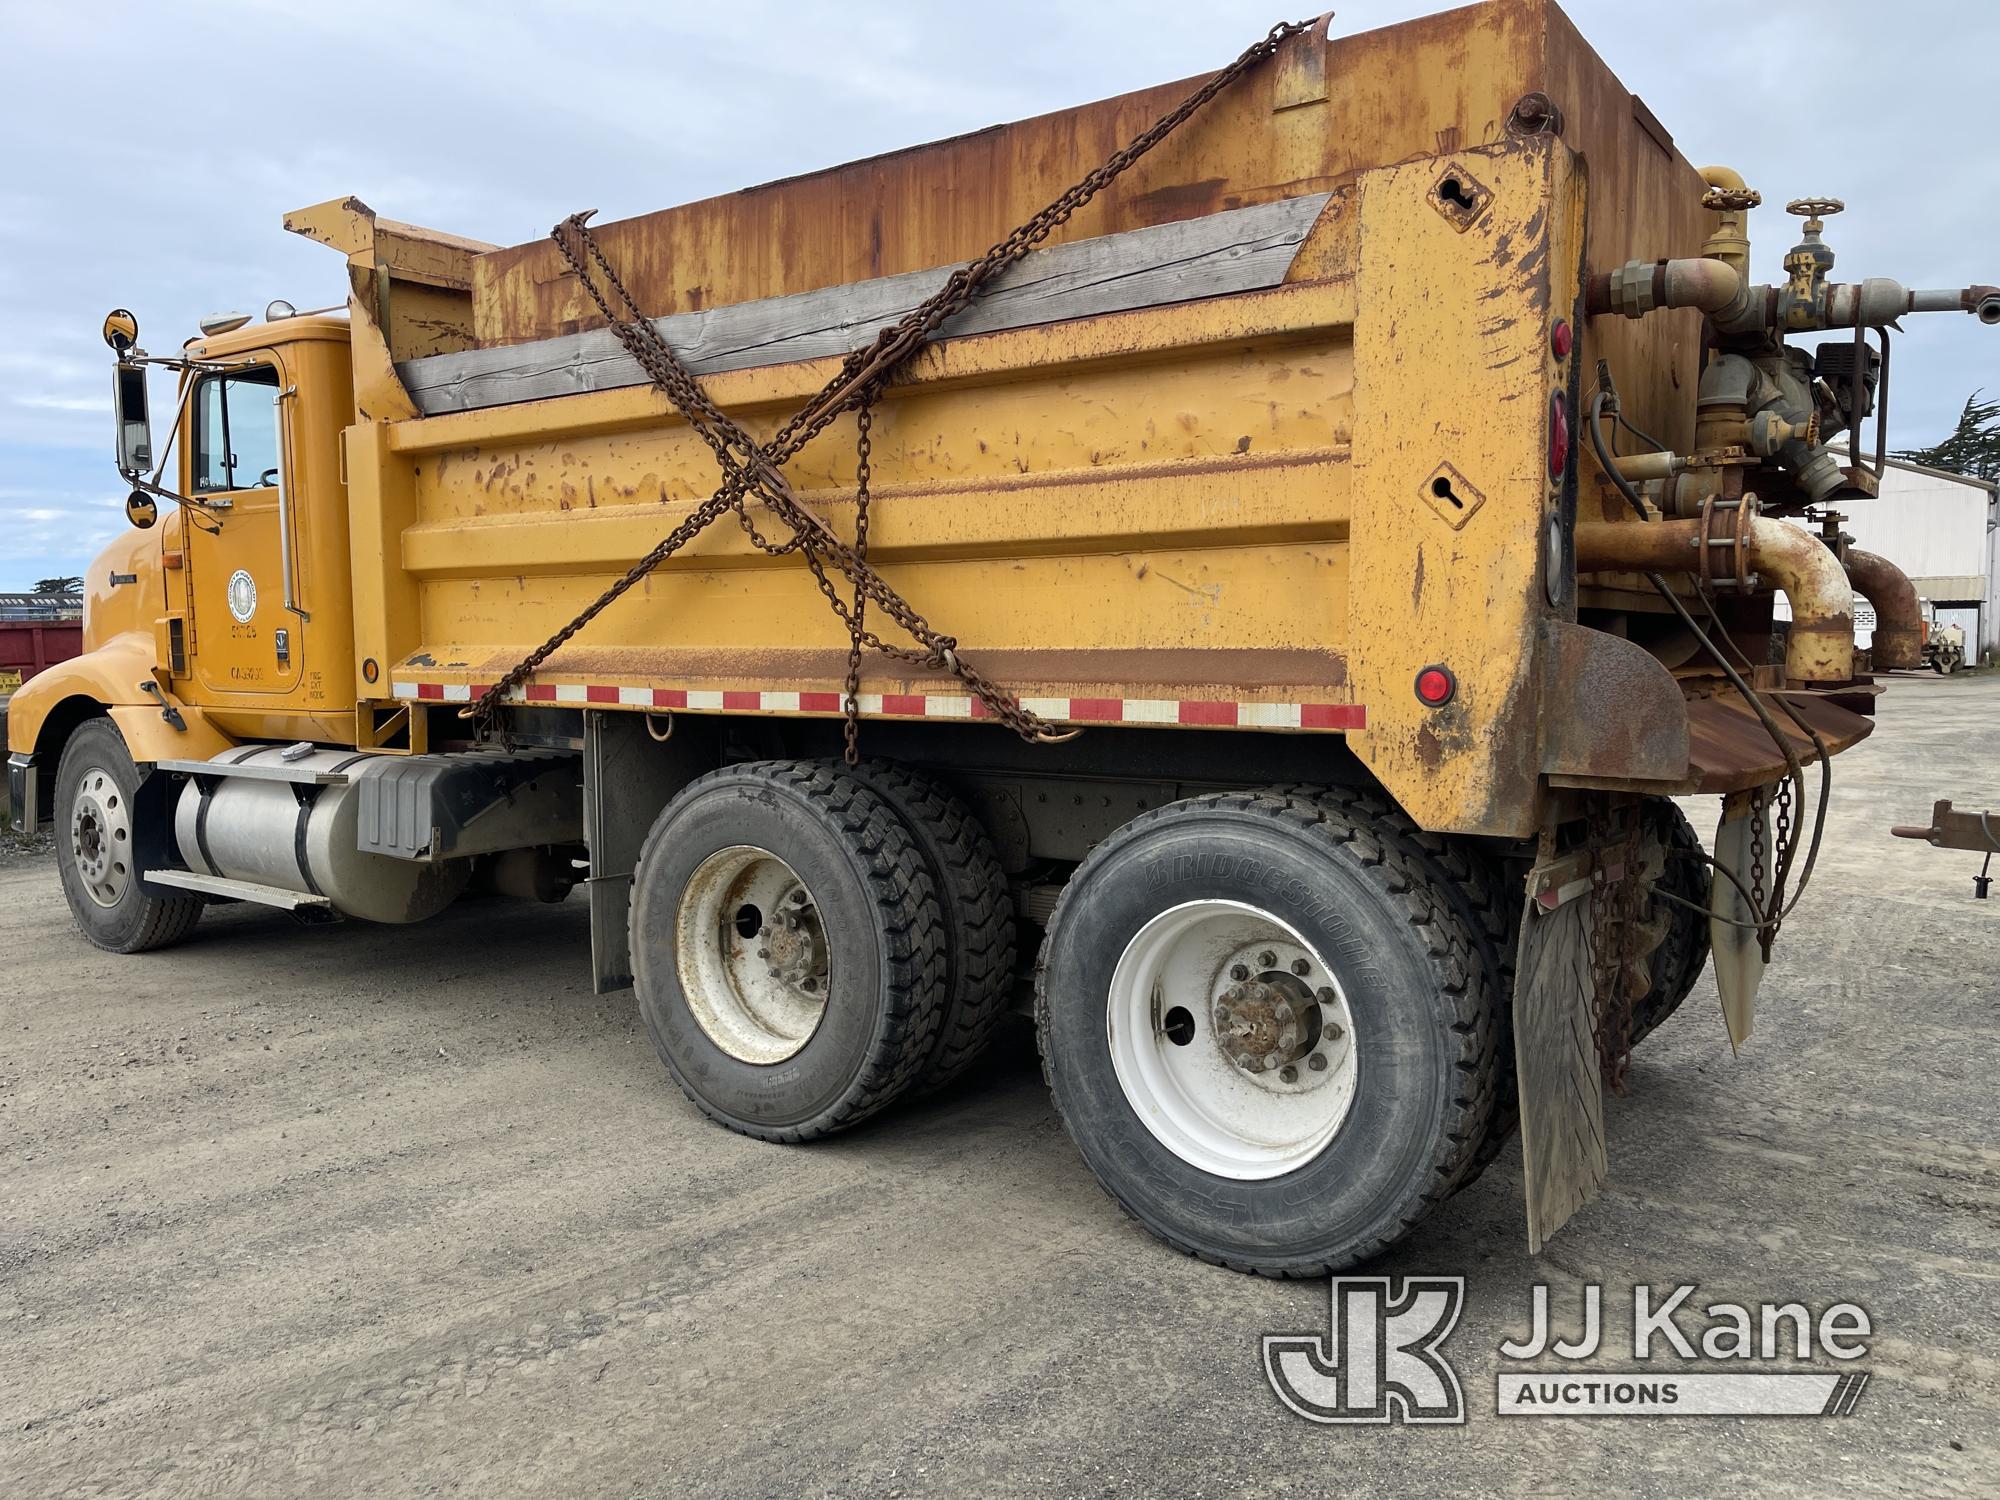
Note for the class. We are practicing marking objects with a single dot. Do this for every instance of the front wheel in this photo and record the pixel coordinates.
(1268, 1034)
(97, 787)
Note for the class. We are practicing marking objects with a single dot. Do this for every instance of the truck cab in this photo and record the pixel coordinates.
(231, 614)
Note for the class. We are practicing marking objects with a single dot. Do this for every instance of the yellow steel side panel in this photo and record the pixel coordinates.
(382, 503)
(1453, 368)
(1040, 624)
(1101, 521)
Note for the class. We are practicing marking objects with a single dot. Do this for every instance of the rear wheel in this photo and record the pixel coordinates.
(977, 908)
(97, 833)
(1475, 886)
(1683, 951)
(787, 949)
(1267, 1032)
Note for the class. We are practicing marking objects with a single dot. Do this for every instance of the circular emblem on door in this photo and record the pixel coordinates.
(242, 596)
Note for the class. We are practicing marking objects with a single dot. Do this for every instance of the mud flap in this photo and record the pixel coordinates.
(1555, 1049)
(1739, 957)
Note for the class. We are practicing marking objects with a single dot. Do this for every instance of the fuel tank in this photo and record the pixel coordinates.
(299, 835)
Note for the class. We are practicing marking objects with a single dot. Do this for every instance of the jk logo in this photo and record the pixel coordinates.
(1379, 1361)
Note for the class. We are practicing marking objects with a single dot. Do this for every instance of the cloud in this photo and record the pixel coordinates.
(495, 119)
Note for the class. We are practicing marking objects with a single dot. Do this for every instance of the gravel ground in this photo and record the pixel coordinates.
(382, 1211)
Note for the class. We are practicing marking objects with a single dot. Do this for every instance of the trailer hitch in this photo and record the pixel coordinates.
(1959, 830)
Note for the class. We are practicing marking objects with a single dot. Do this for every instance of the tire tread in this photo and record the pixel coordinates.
(900, 888)
(1409, 883)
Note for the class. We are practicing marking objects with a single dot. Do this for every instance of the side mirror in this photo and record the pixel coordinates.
(141, 510)
(135, 425)
(121, 330)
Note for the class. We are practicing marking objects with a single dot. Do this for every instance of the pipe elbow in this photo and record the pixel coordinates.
(1820, 647)
(1638, 287)
(1711, 285)
(1899, 619)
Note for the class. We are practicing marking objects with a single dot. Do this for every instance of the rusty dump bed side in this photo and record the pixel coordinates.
(1328, 109)
(1259, 437)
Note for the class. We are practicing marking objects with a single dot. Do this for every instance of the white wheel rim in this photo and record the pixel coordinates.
(1195, 991)
(100, 837)
(751, 952)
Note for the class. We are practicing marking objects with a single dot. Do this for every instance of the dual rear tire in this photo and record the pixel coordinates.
(810, 941)
(1267, 1031)
(1269, 1026)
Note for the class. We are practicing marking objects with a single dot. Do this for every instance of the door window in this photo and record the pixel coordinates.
(235, 431)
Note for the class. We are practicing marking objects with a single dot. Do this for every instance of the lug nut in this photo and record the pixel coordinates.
(1326, 996)
(1238, 973)
(1267, 959)
(1284, 1010)
(1289, 1074)
(1332, 1031)
(1301, 968)
(763, 952)
(1271, 1060)
(1289, 1037)
(1317, 1062)
(799, 897)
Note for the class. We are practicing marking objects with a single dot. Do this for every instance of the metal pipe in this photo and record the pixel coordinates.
(1641, 467)
(1878, 301)
(1899, 619)
(1820, 648)
(1730, 243)
(1639, 286)
(285, 504)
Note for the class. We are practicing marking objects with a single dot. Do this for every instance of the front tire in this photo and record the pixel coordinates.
(1166, 1035)
(787, 949)
(97, 788)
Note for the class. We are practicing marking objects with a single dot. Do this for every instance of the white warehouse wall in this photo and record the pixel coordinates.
(1939, 529)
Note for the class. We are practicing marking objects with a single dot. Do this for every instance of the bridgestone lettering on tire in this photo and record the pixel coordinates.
(1400, 965)
(836, 900)
(96, 831)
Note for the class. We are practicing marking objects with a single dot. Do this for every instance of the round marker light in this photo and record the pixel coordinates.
(1562, 339)
(1558, 436)
(1435, 686)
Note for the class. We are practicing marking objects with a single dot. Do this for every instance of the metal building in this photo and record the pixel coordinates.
(1940, 529)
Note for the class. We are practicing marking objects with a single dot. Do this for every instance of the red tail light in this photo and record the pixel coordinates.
(1558, 436)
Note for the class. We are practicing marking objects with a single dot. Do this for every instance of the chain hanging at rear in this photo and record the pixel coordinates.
(753, 470)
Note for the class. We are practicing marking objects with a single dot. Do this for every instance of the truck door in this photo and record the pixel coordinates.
(246, 639)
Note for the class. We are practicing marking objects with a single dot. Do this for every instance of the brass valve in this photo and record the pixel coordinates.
(1808, 263)
(1730, 199)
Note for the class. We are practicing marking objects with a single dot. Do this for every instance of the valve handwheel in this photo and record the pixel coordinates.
(1814, 208)
(1730, 200)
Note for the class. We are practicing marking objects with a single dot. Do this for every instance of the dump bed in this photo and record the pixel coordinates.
(1257, 437)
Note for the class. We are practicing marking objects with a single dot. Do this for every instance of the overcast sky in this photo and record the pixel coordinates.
(152, 150)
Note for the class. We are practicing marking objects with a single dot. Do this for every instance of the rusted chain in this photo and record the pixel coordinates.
(753, 470)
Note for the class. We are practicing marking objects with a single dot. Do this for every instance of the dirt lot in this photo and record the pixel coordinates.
(375, 1211)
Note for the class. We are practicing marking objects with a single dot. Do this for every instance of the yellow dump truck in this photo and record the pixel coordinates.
(1259, 609)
